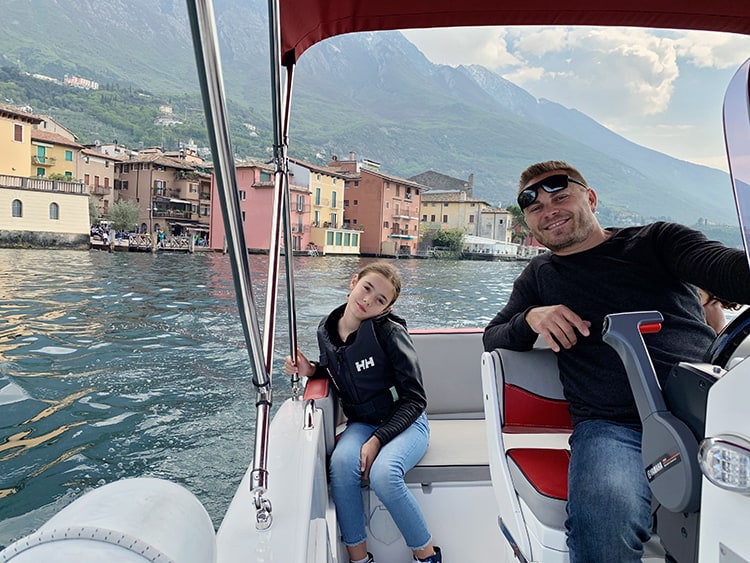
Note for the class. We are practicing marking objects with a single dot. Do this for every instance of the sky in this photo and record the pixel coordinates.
(659, 88)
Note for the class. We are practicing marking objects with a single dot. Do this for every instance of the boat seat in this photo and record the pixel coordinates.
(450, 364)
(528, 426)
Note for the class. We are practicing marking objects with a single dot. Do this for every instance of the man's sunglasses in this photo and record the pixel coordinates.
(551, 184)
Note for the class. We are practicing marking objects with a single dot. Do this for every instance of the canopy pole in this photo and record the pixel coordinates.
(206, 45)
(289, 254)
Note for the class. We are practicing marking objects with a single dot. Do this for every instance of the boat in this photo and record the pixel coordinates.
(492, 481)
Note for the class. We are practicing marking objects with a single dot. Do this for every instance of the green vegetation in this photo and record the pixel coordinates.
(127, 115)
(123, 215)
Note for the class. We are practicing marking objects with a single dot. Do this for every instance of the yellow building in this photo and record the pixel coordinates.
(43, 213)
(329, 231)
(15, 141)
(449, 210)
(53, 153)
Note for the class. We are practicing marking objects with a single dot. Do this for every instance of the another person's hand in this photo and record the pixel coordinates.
(367, 455)
(558, 325)
(304, 367)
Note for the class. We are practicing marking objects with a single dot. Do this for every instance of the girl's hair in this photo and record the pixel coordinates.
(388, 272)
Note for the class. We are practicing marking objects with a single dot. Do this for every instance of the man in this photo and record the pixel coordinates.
(563, 297)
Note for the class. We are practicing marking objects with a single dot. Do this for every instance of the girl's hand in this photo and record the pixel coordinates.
(304, 367)
(367, 455)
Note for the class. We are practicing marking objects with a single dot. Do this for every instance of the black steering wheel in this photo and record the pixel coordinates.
(728, 340)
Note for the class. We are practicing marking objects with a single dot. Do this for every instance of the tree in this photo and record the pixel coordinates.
(123, 215)
(93, 211)
(452, 239)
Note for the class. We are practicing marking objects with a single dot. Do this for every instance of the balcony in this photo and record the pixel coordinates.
(44, 160)
(100, 190)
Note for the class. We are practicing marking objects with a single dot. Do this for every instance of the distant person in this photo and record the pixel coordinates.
(564, 295)
(367, 352)
(714, 309)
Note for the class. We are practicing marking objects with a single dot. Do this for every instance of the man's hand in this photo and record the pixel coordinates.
(557, 324)
(367, 455)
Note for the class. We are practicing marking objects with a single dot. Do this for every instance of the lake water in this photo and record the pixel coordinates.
(129, 364)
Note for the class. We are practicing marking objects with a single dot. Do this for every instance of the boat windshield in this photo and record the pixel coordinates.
(737, 135)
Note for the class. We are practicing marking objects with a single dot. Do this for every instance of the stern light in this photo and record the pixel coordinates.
(725, 461)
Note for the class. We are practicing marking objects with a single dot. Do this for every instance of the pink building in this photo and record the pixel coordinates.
(255, 186)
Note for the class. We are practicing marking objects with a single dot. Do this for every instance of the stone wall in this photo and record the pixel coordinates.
(27, 239)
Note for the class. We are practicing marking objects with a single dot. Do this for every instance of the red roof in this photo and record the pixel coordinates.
(306, 22)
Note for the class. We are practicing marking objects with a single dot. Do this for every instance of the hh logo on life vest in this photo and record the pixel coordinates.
(364, 364)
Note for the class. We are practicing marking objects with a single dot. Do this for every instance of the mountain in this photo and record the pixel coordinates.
(374, 94)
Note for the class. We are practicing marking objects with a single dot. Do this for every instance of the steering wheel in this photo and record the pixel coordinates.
(728, 340)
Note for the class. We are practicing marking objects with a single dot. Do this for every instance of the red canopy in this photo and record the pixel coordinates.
(306, 22)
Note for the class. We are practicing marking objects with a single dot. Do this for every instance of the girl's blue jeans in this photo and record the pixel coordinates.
(609, 501)
(386, 481)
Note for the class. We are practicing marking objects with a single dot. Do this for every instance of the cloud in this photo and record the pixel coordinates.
(625, 78)
(712, 50)
(464, 46)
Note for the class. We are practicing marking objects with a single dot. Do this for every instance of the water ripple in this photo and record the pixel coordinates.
(129, 364)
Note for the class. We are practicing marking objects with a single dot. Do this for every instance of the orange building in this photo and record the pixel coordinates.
(384, 207)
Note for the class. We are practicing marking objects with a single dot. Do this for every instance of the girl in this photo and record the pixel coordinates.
(367, 353)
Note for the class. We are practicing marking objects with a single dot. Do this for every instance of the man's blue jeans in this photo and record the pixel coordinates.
(609, 501)
(386, 480)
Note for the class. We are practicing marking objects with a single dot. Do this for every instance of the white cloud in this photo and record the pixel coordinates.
(625, 78)
(713, 50)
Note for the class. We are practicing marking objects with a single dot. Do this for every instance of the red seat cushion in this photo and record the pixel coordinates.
(545, 469)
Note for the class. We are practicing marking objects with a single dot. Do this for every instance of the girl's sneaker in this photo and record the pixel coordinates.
(370, 558)
(437, 558)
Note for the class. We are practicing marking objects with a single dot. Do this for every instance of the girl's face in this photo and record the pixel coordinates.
(370, 295)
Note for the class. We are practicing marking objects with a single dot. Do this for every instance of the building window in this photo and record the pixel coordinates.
(17, 208)
(333, 198)
(243, 195)
(54, 211)
(125, 168)
(106, 181)
(329, 238)
(69, 156)
(398, 190)
(471, 218)
(445, 218)
(265, 176)
(355, 239)
(385, 224)
(86, 179)
(338, 238)
(424, 218)
(18, 132)
(40, 172)
(356, 202)
(300, 203)
(387, 204)
(347, 239)
(243, 216)
(356, 183)
(346, 203)
(317, 196)
(96, 181)
(432, 218)
(317, 177)
(334, 181)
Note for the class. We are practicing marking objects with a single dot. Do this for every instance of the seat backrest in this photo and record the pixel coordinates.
(532, 396)
(450, 360)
